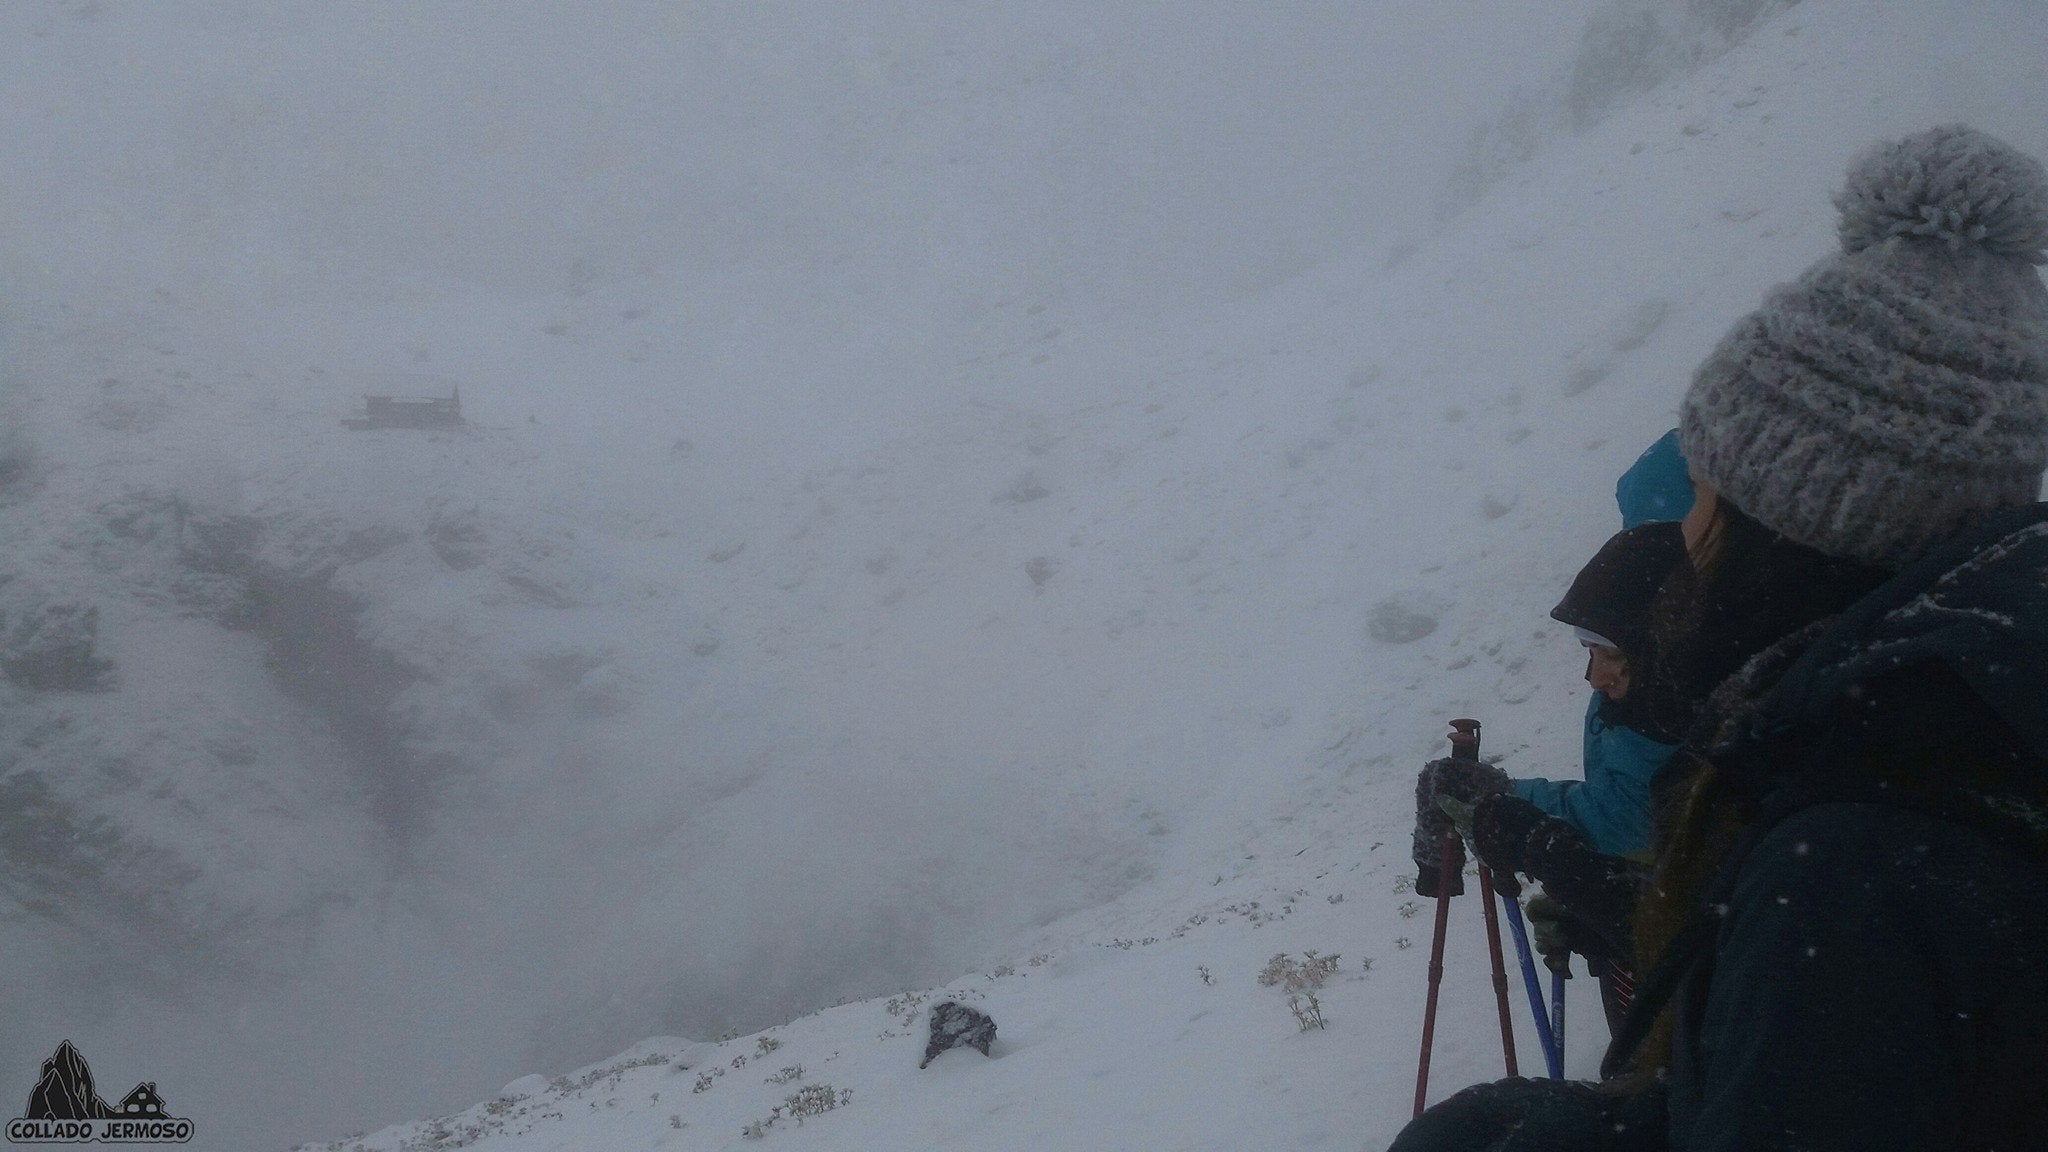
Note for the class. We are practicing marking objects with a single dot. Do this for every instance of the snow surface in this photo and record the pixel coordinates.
(436, 760)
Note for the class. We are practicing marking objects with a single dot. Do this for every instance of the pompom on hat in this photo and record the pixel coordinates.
(1900, 386)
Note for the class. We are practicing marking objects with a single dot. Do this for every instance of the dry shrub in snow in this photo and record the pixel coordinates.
(1301, 979)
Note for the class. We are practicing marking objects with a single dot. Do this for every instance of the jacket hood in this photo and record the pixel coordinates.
(1658, 486)
(1976, 603)
(1612, 595)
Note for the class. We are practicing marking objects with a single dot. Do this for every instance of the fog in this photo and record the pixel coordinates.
(751, 305)
(778, 182)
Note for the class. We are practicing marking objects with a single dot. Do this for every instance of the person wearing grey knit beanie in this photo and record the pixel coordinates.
(1900, 386)
(1859, 818)
(1845, 929)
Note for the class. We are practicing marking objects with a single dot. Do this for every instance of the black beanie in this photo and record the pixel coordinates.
(1613, 592)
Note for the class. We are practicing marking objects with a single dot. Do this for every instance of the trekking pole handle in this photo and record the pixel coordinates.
(1464, 739)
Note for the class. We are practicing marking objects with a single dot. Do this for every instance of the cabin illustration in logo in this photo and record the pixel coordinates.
(141, 1104)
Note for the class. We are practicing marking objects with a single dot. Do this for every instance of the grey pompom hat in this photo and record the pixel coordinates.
(1899, 386)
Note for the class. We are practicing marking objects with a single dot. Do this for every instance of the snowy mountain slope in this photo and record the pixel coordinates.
(1225, 519)
(405, 763)
(1146, 627)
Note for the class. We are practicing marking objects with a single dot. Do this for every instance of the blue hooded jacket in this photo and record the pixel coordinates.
(1611, 806)
(1658, 486)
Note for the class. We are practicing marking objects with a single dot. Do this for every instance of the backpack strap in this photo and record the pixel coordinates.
(1692, 948)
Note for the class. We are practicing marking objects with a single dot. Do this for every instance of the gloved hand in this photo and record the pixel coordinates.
(1557, 934)
(1501, 824)
(1504, 882)
(1465, 780)
(1431, 878)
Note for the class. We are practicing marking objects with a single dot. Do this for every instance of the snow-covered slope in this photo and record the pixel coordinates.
(1232, 540)
(399, 764)
(1107, 678)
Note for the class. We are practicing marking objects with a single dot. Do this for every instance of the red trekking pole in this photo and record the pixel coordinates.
(1500, 968)
(1464, 746)
(1446, 864)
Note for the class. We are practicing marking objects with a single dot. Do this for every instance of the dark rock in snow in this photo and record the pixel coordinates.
(955, 1025)
(49, 647)
(1403, 618)
(1025, 490)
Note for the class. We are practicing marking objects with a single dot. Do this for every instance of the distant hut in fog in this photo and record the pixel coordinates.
(410, 400)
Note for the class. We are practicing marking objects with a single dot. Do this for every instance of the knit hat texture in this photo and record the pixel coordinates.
(1900, 386)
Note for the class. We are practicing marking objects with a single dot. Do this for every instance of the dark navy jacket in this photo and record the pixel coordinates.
(1873, 968)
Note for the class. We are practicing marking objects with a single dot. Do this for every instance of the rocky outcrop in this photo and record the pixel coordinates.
(49, 646)
(955, 1025)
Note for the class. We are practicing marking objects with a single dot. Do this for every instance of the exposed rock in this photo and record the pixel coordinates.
(1025, 490)
(48, 647)
(955, 1025)
(1403, 618)
(459, 541)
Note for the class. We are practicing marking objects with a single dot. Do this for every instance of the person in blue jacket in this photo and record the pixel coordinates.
(1610, 807)
(1584, 840)
(1608, 608)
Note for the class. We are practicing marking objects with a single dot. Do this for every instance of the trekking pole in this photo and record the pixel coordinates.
(1553, 1059)
(1500, 971)
(1557, 1018)
(1465, 746)
(1445, 864)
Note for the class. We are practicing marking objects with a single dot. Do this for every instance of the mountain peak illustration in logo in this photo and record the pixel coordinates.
(65, 1091)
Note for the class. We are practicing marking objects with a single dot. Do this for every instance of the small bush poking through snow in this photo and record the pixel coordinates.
(815, 1100)
(1301, 979)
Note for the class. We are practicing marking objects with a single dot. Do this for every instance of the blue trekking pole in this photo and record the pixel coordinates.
(1557, 1018)
(1553, 1053)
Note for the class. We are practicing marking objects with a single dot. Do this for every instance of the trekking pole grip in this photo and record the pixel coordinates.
(1464, 739)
